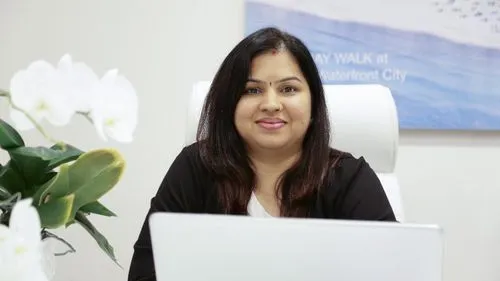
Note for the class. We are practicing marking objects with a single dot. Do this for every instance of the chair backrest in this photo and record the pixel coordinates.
(364, 122)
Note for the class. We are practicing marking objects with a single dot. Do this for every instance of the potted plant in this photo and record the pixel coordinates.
(60, 183)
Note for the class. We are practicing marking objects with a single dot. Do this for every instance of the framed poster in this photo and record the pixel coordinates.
(441, 59)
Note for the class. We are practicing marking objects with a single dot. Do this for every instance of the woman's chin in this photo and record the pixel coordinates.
(272, 144)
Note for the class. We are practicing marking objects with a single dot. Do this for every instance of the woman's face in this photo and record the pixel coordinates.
(274, 111)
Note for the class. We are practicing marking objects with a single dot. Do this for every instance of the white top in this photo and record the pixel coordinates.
(255, 209)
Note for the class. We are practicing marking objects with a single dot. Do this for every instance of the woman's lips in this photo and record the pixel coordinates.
(271, 123)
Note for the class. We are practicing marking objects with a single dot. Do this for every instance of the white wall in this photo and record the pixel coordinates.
(163, 47)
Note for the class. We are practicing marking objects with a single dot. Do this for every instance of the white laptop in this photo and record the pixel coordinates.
(189, 247)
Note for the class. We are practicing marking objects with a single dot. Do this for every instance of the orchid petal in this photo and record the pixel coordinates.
(27, 86)
(20, 245)
(79, 82)
(25, 221)
(39, 91)
(114, 108)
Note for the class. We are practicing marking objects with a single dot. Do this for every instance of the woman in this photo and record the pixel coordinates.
(263, 148)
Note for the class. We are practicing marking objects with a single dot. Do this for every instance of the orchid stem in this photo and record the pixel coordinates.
(6, 94)
(47, 234)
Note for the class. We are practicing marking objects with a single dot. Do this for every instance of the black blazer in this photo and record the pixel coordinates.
(354, 192)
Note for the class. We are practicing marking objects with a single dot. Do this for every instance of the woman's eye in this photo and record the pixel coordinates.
(252, 91)
(289, 89)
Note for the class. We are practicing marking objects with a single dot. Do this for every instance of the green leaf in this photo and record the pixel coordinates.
(91, 176)
(48, 176)
(98, 209)
(56, 213)
(56, 187)
(9, 137)
(11, 179)
(94, 174)
(35, 162)
(99, 238)
(66, 153)
(32, 162)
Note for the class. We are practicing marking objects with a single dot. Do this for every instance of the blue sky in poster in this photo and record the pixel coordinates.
(437, 82)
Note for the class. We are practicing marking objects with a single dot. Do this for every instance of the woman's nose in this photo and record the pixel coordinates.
(270, 102)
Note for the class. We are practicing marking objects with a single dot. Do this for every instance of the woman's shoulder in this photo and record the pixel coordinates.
(354, 189)
(348, 171)
(345, 165)
(191, 152)
(189, 160)
(187, 183)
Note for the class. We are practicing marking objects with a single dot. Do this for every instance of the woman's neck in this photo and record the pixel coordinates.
(269, 166)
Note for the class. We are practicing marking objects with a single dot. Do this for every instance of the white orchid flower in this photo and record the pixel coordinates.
(38, 90)
(56, 94)
(79, 82)
(21, 245)
(114, 108)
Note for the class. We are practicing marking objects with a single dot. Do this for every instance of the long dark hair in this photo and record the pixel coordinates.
(222, 149)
